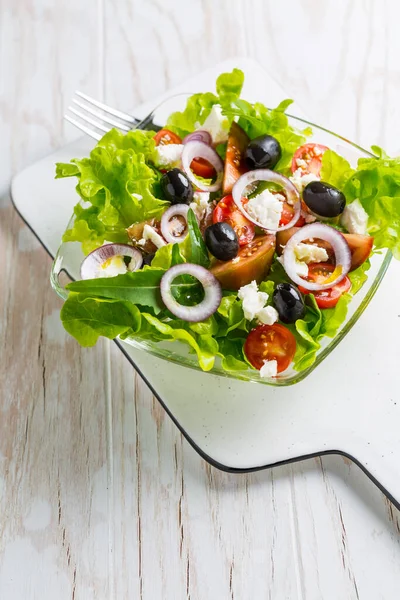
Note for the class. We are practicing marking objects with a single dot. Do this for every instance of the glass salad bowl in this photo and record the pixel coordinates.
(70, 256)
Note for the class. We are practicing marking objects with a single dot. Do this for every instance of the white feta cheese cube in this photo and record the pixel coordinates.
(267, 315)
(149, 233)
(252, 300)
(168, 155)
(217, 125)
(266, 208)
(200, 205)
(300, 180)
(309, 253)
(301, 268)
(354, 218)
(112, 267)
(269, 369)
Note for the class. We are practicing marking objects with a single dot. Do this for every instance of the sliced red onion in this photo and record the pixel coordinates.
(199, 136)
(328, 234)
(252, 177)
(197, 149)
(167, 226)
(212, 293)
(91, 265)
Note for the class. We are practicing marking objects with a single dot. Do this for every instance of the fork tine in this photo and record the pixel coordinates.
(89, 119)
(102, 116)
(112, 111)
(83, 128)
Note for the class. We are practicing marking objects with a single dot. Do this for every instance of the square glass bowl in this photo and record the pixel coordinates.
(70, 256)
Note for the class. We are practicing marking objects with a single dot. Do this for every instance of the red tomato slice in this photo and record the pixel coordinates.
(227, 211)
(234, 161)
(287, 216)
(165, 137)
(308, 158)
(202, 168)
(318, 272)
(270, 342)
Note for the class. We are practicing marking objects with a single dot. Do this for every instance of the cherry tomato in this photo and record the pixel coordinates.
(318, 272)
(227, 211)
(270, 342)
(308, 158)
(202, 168)
(235, 164)
(165, 137)
(287, 216)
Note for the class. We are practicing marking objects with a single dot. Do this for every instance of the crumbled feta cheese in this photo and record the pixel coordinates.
(149, 233)
(307, 217)
(269, 368)
(268, 315)
(309, 253)
(252, 300)
(200, 205)
(266, 208)
(354, 218)
(217, 125)
(300, 180)
(112, 266)
(301, 268)
(168, 155)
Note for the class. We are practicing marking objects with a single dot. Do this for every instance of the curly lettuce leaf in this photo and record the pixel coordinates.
(118, 185)
(198, 106)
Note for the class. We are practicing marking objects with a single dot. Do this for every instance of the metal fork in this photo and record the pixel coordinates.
(95, 117)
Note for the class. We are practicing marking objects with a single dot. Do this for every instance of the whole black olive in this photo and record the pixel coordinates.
(176, 187)
(222, 241)
(263, 152)
(288, 302)
(324, 199)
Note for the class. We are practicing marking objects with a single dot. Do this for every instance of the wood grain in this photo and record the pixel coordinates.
(99, 495)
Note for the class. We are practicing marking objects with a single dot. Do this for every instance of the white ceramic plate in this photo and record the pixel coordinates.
(350, 404)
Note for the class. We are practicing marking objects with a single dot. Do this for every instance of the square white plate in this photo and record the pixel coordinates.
(347, 405)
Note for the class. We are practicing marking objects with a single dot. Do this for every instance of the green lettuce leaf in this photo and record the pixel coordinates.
(193, 247)
(335, 169)
(198, 106)
(118, 184)
(86, 319)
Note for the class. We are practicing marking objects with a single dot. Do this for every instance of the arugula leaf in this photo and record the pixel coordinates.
(86, 319)
(193, 247)
(119, 185)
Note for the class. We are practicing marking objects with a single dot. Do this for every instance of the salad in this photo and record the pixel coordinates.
(228, 231)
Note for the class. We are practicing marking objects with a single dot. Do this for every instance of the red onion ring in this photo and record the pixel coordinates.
(212, 293)
(193, 150)
(201, 135)
(250, 177)
(324, 232)
(90, 267)
(174, 211)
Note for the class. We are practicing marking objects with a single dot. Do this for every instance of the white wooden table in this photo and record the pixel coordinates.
(102, 499)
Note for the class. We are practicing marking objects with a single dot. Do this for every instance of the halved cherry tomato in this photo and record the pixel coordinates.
(165, 137)
(270, 342)
(287, 216)
(227, 211)
(202, 168)
(308, 158)
(318, 272)
(252, 263)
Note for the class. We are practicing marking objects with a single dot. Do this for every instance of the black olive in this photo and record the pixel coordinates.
(147, 258)
(176, 187)
(288, 302)
(263, 152)
(222, 241)
(323, 199)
